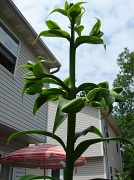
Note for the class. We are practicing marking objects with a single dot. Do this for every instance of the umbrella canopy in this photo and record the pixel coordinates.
(44, 156)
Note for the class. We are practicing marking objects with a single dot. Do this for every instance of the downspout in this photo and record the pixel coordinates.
(55, 71)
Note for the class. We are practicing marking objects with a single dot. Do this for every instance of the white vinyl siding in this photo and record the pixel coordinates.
(87, 117)
(16, 113)
(18, 172)
(36, 171)
(112, 157)
(93, 169)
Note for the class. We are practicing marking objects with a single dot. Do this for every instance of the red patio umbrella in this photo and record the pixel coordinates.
(46, 156)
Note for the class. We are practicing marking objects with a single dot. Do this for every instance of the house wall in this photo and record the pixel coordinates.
(37, 171)
(4, 149)
(107, 152)
(92, 169)
(18, 172)
(16, 113)
(87, 117)
(112, 157)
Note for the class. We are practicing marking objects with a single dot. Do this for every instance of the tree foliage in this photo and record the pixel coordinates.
(124, 112)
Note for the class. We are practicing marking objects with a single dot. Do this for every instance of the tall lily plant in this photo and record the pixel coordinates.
(89, 94)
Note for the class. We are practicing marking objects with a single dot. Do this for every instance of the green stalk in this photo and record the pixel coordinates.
(72, 116)
(60, 81)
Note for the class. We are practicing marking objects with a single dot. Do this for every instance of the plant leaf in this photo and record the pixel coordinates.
(62, 11)
(26, 86)
(26, 66)
(93, 95)
(66, 81)
(79, 29)
(100, 103)
(29, 65)
(38, 70)
(30, 76)
(74, 105)
(118, 98)
(81, 148)
(91, 129)
(60, 116)
(54, 33)
(80, 3)
(87, 86)
(37, 85)
(40, 132)
(104, 85)
(49, 80)
(73, 12)
(118, 89)
(96, 28)
(61, 83)
(66, 6)
(32, 177)
(52, 25)
(33, 87)
(110, 108)
(78, 19)
(88, 39)
(42, 59)
(46, 96)
(100, 33)
(105, 93)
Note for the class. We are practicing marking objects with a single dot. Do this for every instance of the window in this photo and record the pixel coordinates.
(9, 47)
(106, 131)
(117, 147)
(5, 172)
(111, 173)
(56, 173)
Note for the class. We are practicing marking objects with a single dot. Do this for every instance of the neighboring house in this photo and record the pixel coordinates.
(16, 39)
(101, 158)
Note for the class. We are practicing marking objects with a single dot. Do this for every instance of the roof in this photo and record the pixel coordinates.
(26, 33)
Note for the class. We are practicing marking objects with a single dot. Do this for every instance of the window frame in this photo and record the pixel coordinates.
(14, 38)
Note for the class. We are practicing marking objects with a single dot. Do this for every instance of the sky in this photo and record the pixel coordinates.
(93, 63)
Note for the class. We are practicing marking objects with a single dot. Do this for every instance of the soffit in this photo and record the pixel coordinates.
(6, 131)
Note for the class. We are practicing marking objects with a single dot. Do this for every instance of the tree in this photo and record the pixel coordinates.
(124, 112)
(98, 96)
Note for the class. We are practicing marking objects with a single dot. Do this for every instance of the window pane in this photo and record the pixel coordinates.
(7, 60)
(9, 41)
(56, 173)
